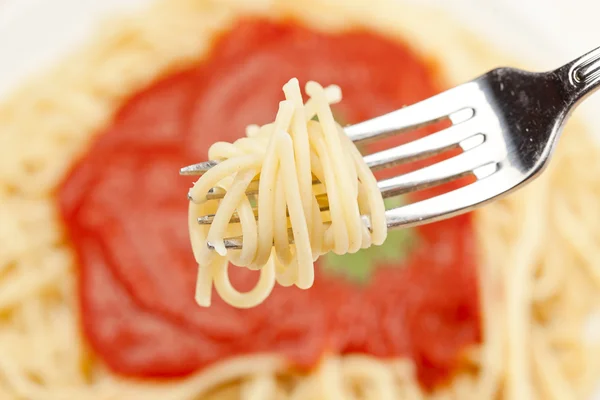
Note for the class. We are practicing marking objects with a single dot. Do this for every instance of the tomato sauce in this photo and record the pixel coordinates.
(125, 210)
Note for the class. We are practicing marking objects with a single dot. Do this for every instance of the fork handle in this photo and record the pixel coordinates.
(581, 76)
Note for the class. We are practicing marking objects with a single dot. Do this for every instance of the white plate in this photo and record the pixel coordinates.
(34, 33)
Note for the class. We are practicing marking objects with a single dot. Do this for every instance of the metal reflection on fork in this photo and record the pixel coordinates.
(506, 122)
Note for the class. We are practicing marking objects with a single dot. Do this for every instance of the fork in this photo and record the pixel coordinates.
(506, 122)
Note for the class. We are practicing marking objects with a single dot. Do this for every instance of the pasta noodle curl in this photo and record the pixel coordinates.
(314, 192)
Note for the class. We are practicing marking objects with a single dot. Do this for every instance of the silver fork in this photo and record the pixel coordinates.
(507, 123)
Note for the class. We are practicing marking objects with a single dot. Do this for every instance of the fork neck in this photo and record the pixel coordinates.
(581, 77)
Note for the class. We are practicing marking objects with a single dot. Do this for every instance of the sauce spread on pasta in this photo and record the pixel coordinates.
(125, 213)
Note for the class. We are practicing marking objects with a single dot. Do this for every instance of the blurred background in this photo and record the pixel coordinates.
(543, 32)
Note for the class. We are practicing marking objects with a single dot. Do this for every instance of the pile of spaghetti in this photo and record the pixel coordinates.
(538, 269)
(286, 154)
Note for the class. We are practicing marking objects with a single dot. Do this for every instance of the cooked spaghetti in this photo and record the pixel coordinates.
(538, 273)
(286, 154)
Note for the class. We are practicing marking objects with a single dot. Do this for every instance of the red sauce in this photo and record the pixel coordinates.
(125, 210)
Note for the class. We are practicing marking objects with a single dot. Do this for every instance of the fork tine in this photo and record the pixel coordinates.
(198, 169)
(218, 193)
(235, 243)
(232, 243)
(235, 218)
(452, 203)
(436, 174)
(427, 146)
(417, 115)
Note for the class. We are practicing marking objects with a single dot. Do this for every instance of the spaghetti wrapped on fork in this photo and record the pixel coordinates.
(313, 194)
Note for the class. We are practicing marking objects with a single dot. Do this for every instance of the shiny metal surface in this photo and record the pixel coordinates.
(520, 114)
(507, 123)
